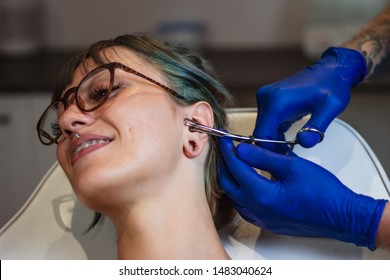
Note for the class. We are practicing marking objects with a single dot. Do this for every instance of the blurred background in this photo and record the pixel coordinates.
(250, 43)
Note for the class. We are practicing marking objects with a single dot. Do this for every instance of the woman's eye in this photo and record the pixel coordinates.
(98, 94)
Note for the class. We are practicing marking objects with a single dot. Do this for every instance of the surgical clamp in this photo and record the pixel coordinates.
(197, 127)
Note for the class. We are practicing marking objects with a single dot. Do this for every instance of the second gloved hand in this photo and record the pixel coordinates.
(322, 90)
(304, 199)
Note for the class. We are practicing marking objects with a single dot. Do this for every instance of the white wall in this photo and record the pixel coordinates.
(244, 23)
(231, 23)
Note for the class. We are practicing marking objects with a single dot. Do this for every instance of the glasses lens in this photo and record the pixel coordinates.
(49, 130)
(94, 89)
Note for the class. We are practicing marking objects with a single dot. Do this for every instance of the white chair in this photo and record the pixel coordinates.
(52, 222)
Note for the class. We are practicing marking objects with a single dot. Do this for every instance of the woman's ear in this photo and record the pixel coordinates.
(195, 142)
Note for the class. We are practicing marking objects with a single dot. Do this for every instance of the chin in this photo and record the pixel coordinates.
(91, 187)
(102, 188)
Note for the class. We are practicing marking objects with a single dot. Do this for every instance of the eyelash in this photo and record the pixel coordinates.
(55, 128)
(98, 90)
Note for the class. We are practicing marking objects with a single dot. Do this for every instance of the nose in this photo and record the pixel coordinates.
(73, 119)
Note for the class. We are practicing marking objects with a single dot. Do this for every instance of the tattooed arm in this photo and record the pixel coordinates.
(374, 43)
(323, 89)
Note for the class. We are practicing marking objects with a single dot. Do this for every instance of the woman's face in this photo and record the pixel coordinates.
(133, 140)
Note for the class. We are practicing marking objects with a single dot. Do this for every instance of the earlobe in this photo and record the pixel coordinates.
(195, 142)
(192, 149)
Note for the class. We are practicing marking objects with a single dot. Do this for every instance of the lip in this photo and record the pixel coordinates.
(90, 149)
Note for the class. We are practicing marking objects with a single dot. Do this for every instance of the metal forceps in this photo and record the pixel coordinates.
(197, 127)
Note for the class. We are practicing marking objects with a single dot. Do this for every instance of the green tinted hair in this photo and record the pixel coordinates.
(187, 74)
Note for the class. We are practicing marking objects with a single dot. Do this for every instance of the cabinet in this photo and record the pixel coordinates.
(23, 160)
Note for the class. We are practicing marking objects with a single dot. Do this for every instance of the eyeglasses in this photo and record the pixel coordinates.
(91, 93)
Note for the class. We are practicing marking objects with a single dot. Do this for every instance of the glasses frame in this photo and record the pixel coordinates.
(65, 99)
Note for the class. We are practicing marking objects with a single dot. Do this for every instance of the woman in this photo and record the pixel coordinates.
(117, 118)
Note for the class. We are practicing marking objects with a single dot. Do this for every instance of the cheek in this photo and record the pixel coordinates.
(152, 135)
(148, 116)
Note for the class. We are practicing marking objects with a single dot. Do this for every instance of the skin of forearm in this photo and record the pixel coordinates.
(382, 239)
(374, 43)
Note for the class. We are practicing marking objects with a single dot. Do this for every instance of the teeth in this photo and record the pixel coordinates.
(87, 144)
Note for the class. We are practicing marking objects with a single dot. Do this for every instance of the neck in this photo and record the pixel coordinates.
(172, 225)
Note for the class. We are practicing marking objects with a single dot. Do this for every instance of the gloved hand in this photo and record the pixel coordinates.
(304, 199)
(323, 90)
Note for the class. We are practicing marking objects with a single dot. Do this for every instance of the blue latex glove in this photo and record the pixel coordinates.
(304, 199)
(322, 90)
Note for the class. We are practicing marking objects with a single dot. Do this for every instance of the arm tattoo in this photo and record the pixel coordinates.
(374, 43)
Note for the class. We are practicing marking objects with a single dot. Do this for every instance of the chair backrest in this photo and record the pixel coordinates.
(52, 223)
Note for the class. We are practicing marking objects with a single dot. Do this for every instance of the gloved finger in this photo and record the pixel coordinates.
(267, 126)
(236, 206)
(260, 158)
(281, 148)
(320, 119)
(229, 185)
(239, 170)
(309, 138)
